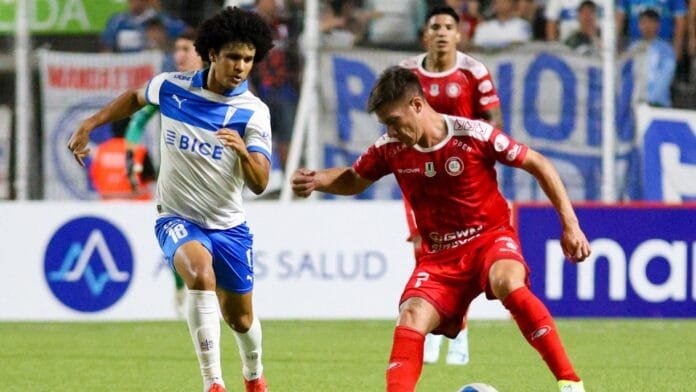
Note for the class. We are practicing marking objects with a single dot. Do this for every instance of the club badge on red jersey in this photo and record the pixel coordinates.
(453, 90)
(454, 166)
(434, 90)
(430, 169)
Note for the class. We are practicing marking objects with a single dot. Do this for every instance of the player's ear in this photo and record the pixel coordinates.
(417, 103)
(211, 55)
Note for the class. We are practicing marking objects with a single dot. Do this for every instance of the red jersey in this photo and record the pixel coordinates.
(452, 187)
(466, 90)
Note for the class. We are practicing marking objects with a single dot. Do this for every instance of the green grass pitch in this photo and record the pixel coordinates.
(317, 356)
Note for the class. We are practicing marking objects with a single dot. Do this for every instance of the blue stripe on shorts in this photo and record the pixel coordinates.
(231, 250)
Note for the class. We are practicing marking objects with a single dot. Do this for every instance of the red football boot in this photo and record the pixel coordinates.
(216, 388)
(258, 385)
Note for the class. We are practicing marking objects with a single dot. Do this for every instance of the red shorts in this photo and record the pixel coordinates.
(450, 280)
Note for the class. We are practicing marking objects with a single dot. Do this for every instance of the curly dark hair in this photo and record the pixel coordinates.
(234, 25)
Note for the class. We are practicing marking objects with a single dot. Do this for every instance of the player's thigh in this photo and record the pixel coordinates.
(504, 266)
(184, 241)
(233, 258)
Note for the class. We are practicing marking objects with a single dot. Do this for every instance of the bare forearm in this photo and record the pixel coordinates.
(494, 117)
(553, 187)
(339, 181)
(125, 105)
(680, 28)
(256, 172)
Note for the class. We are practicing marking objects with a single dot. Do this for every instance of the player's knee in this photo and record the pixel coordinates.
(504, 284)
(506, 276)
(241, 323)
(202, 277)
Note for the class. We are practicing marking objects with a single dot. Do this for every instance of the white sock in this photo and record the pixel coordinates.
(204, 326)
(249, 344)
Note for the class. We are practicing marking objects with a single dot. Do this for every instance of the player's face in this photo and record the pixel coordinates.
(231, 65)
(442, 34)
(400, 120)
(185, 56)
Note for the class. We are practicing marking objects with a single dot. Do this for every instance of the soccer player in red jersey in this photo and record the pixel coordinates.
(457, 84)
(445, 168)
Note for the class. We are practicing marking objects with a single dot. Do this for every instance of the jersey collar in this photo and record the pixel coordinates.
(443, 142)
(200, 77)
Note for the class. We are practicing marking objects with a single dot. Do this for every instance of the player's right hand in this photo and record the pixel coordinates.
(303, 182)
(78, 144)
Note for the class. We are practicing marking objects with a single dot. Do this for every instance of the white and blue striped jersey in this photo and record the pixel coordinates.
(200, 179)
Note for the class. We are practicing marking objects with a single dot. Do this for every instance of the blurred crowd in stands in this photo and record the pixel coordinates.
(664, 29)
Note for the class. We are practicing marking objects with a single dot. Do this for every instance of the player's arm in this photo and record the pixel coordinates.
(256, 167)
(136, 127)
(573, 241)
(337, 180)
(679, 34)
(123, 106)
(493, 116)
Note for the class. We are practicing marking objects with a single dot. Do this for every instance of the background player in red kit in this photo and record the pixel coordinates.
(457, 84)
(469, 245)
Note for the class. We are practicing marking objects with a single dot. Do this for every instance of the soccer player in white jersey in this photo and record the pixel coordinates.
(216, 138)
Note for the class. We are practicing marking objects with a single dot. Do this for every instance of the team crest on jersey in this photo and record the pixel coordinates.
(453, 90)
(454, 166)
(501, 143)
(434, 90)
(430, 169)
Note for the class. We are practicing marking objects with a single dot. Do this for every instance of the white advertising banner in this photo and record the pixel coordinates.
(101, 261)
(5, 145)
(74, 86)
(550, 99)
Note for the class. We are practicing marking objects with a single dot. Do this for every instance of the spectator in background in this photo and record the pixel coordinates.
(533, 13)
(125, 31)
(505, 29)
(561, 19)
(692, 38)
(660, 60)
(344, 23)
(156, 39)
(276, 78)
(399, 21)
(672, 15)
(469, 16)
(586, 40)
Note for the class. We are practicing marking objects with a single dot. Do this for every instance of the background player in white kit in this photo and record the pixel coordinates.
(216, 138)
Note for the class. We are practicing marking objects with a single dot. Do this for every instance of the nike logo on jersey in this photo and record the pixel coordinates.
(178, 100)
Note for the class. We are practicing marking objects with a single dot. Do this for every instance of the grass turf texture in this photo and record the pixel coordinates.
(317, 356)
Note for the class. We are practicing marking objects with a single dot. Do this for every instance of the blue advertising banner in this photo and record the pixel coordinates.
(668, 153)
(550, 99)
(643, 261)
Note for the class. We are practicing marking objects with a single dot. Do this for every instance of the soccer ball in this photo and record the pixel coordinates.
(477, 387)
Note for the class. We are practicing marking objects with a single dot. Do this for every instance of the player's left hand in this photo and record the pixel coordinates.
(575, 246)
(232, 139)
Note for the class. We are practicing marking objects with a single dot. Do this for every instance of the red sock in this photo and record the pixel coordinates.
(537, 326)
(406, 360)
